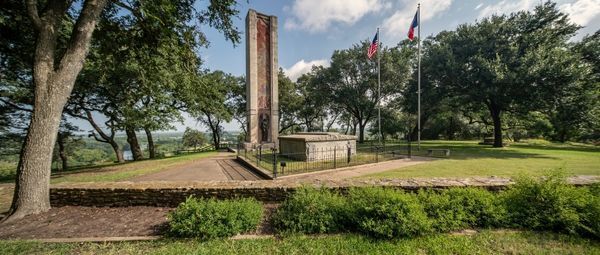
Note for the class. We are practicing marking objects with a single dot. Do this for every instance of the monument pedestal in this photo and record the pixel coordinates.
(256, 146)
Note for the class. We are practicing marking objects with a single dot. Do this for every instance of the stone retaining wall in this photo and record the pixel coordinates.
(170, 194)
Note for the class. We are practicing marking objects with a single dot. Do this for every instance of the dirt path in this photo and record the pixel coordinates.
(221, 167)
(82, 222)
(76, 221)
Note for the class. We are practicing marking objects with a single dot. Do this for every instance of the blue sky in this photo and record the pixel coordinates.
(310, 30)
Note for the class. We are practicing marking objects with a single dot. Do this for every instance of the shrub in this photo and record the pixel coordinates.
(591, 213)
(310, 210)
(546, 204)
(210, 218)
(386, 213)
(460, 208)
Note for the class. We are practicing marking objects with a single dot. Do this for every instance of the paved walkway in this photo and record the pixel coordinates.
(224, 167)
(360, 170)
(219, 168)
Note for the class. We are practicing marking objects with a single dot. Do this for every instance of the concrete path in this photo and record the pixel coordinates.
(218, 168)
(360, 170)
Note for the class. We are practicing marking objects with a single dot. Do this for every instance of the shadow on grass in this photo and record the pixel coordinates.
(471, 150)
(553, 147)
(6, 177)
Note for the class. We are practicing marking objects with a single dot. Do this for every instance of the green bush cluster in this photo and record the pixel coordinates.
(210, 218)
(552, 204)
(537, 204)
(460, 208)
(310, 211)
(386, 213)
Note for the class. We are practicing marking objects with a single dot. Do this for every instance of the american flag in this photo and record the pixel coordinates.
(373, 48)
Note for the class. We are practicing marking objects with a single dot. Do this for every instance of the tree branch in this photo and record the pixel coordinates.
(15, 106)
(81, 37)
(32, 11)
(133, 11)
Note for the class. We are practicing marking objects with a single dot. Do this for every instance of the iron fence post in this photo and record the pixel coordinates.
(409, 148)
(334, 157)
(274, 163)
(349, 154)
(377, 154)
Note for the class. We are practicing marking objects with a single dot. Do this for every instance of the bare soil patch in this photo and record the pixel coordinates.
(86, 222)
(74, 221)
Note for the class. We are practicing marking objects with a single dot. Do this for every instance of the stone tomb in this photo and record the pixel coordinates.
(315, 146)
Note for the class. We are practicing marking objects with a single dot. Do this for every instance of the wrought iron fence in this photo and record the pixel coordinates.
(316, 159)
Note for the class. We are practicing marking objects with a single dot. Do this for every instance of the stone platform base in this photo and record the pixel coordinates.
(170, 194)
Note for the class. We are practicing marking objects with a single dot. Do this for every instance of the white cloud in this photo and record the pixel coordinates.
(582, 11)
(478, 6)
(396, 26)
(318, 15)
(504, 7)
(301, 67)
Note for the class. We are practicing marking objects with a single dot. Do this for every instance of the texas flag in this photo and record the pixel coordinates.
(415, 23)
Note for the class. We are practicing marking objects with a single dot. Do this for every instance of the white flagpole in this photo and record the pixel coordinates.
(379, 82)
(419, 79)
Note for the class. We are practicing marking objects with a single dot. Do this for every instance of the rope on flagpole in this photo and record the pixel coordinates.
(379, 82)
(419, 79)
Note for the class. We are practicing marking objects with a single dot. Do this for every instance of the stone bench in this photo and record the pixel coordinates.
(445, 151)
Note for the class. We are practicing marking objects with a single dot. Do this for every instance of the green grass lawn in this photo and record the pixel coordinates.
(124, 171)
(103, 173)
(487, 242)
(7, 171)
(467, 158)
(107, 172)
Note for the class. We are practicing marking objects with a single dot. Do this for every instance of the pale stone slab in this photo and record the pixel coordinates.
(315, 146)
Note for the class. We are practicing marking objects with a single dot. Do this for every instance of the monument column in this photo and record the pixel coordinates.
(261, 80)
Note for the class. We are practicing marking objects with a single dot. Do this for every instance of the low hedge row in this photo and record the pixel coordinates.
(537, 204)
(210, 218)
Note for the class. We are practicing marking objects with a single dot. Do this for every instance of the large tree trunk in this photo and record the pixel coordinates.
(216, 139)
(33, 171)
(62, 152)
(117, 150)
(134, 145)
(52, 87)
(151, 150)
(414, 134)
(361, 136)
(496, 117)
(104, 138)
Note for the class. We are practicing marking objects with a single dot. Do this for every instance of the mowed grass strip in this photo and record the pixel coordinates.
(467, 158)
(124, 171)
(486, 242)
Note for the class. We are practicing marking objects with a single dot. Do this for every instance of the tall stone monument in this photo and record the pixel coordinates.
(261, 81)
